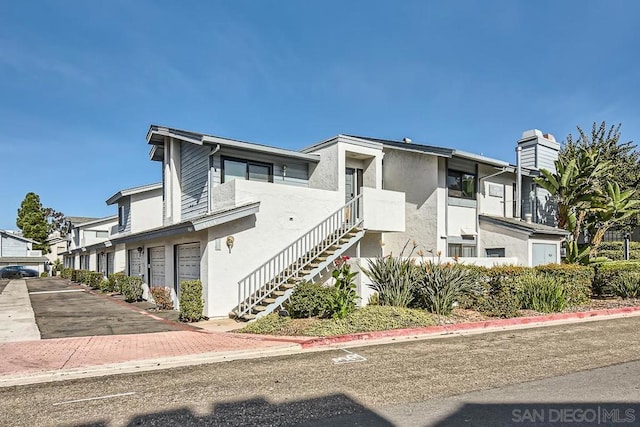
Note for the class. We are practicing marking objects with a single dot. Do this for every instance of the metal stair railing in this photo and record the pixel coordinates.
(286, 264)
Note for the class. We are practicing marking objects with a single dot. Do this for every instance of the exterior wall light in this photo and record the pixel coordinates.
(230, 241)
(284, 170)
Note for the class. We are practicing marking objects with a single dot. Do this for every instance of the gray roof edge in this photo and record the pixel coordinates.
(16, 236)
(133, 190)
(531, 228)
(97, 221)
(201, 138)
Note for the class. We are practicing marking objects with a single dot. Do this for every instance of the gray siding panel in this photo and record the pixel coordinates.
(528, 157)
(126, 203)
(194, 166)
(13, 247)
(546, 157)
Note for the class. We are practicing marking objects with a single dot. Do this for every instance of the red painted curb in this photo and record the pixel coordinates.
(449, 329)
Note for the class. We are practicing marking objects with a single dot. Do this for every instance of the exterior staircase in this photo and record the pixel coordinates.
(270, 285)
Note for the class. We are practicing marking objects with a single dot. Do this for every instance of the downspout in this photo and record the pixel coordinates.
(209, 180)
(518, 212)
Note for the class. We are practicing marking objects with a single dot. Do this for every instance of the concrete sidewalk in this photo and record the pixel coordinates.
(31, 362)
(17, 320)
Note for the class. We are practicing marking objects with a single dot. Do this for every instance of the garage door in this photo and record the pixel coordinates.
(188, 263)
(544, 253)
(156, 262)
(110, 258)
(134, 263)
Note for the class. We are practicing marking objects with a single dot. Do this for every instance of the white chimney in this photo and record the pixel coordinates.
(407, 140)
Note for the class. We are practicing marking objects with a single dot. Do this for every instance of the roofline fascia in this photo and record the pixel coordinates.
(96, 221)
(134, 190)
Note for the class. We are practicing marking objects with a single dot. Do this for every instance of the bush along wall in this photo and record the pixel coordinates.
(577, 280)
(191, 303)
(614, 250)
(162, 297)
(131, 288)
(617, 278)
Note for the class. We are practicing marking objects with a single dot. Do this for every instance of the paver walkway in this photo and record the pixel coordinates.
(17, 320)
(68, 353)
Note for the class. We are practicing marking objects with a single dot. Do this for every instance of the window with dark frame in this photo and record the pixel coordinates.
(121, 216)
(461, 184)
(461, 251)
(495, 252)
(246, 170)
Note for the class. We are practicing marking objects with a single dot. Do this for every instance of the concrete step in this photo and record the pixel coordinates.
(269, 300)
(278, 293)
(287, 286)
(259, 308)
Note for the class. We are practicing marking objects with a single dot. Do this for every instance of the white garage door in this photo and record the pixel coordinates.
(188, 263)
(156, 261)
(544, 253)
(134, 263)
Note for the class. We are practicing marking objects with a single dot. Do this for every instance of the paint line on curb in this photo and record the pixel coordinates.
(109, 396)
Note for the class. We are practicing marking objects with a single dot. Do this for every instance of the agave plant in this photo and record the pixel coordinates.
(393, 278)
(441, 285)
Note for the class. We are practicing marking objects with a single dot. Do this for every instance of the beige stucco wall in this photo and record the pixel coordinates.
(515, 243)
(416, 175)
(146, 210)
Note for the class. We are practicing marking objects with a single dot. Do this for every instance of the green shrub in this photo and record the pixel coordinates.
(627, 285)
(441, 285)
(162, 297)
(577, 280)
(271, 324)
(343, 294)
(131, 288)
(394, 279)
(615, 250)
(373, 318)
(115, 280)
(65, 273)
(105, 286)
(499, 292)
(610, 277)
(543, 293)
(309, 300)
(191, 303)
(44, 274)
(367, 319)
(373, 299)
(93, 279)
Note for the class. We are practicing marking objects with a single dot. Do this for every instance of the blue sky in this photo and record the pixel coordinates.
(81, 81)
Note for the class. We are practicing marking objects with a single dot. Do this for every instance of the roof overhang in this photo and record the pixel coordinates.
(135, 190)
(97, 221)
(221, 216)
(158, 134)
(532, 229)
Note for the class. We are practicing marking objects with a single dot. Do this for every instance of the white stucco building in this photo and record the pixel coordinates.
(249, 220)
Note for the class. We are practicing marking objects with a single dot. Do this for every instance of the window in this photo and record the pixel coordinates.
(121, 216)
(246, 170)
(461, 184)
(100, 234)
(495, 252)
(461, 251)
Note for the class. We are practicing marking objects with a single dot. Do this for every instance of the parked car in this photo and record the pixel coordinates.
(17, 272)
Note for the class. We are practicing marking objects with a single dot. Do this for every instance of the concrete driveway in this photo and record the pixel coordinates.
(67, 310)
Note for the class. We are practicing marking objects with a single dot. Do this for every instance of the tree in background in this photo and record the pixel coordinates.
(625, 170)
(57, 221)
(594, 187)
(32, 221)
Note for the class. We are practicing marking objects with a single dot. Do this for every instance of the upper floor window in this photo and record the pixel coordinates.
(101, 234)
(121, 216)
(246, 170)
(461, 184)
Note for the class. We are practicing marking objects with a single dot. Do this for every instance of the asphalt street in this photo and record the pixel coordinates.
(65, 310)
(463, 380)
